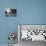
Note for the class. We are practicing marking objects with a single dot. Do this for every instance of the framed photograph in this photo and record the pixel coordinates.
(10, 12)
(32, 32)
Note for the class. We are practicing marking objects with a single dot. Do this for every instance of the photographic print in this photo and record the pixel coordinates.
(10, 12)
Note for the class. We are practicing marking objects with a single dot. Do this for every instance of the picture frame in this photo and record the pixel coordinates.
(10, 12)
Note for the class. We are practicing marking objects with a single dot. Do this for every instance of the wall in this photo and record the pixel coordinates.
(28, 12)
